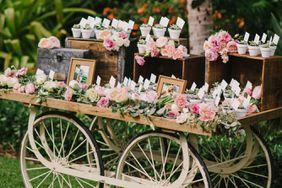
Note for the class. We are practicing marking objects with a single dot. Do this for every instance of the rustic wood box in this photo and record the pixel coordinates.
(258, 70)
(191, 68)
(108, 63)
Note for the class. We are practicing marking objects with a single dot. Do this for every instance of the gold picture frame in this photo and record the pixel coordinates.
(178, 85)
(82, 70)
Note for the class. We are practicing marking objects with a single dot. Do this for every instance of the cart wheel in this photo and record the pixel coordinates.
(234, 162)
(62, 140)
(157, 159)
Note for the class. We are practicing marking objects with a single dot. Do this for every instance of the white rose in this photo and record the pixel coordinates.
(50, 86)
(92, 95)
(3, 80)
(174, 108)
(40, 78)
(119, 42)
(11, 82)
(74, 84)
(126, 42)
(182, 118)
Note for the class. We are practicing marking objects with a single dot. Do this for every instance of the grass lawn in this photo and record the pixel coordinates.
(10, 174)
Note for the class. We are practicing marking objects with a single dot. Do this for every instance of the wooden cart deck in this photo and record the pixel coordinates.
(151, 120)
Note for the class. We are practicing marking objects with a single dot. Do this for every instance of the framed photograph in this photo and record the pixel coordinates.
(82, 70)
(170, 85)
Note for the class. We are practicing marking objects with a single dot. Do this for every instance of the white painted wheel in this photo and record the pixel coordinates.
(63, 141)
(157, 159)
(234, 162)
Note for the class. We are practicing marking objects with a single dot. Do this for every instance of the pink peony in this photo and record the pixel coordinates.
(170, 49)
(207, 112)
(21, 72)
(83, 86)
(100, 90)
(139, 60)
(231, 46)
(252, 109)
(123, 35)
(61, 84)
(105, 34)
(248, 91)
(55, 43)
(103, 102)
(45, 43)
(172, 115)
(68, 94)
(211, 55)
(181, 101)
(164, 52)
(10, 73)
(29, 88)
(224, 36)
(194, 108)
(149, 96)
(109, 44)
(155, 52)
(161, 42)
(257, 92)
(183, 49)
(178, 54)
(214, 43)
(151, 45)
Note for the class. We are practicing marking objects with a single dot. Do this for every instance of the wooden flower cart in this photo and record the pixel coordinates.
(58, 150)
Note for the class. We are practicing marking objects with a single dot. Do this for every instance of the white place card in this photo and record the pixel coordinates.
(39, 72)
(114, 23)
(263, 38)
(148, 38)
(151, 21)
(98, 20)
(235, 104)
(83, 22)
(246, 37)
(248, 85)
(124, 26)
(237, 91)
(120, 23)
(223, 85)
(276, 39)
(112, 82)
(164, 21)
(193, 87)
(106, 23)
(132, 85)
(256, 40)
(118, 85)
(201, 93)
(125, 81)
(140, 88)
(214, 93)
(172, 76)
(146, 84)
(270, 41)
(51, 75)
(153, 78)
(130, 24)
(129, 82)
(246, 102)
(98, 80)
(140, 79)
(180, 22)
(217, 100)
(206, 86)
(91, 21)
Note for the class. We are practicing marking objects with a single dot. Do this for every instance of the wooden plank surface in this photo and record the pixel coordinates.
(247, 56)
(103, 112)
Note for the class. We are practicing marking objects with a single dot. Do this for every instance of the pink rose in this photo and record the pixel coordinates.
(178, 54)
(161, 42)
(105, 34)
(214, 42)
(172, 115)
(248, 91)
(103, 102)
(83, 86)
(170, 50)
(149, 96)
(164, 52)
(183, 49)
(29, 88)
(231, 46)
(151, 45)
(100, 90)
(61, 84)
(109, 44)
(206, 112)
(181, 101)
(21, 72)
(123, 35)
(211, 55)
(140, 60)
(10, 73)
(68, 94)
(55, 43)
(224, 36)
(207, 45)
(44, 43)
(252, 109)
(194, 108)
(257, 92)
(155, 52)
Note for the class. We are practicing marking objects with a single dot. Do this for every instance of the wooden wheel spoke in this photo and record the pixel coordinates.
(44, 179)
(253, 173)
(39, 176)
(144, 171)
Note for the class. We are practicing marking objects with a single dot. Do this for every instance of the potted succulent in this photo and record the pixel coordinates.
(265, 50)
(86, 31)
(141, 46)
(145, 29)
(228, 94)
(242, 46)
(174, 31)
(273, 49)
(190, 93)
(253, 48)
(76, 31)
(159, 30)
(98, 29)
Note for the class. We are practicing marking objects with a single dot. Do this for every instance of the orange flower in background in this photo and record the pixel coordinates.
(217, 14)
(135, 27)
(142, 9)
(145, 20)
(111, 16)
(241, 22)
(106, 10)
(170, 10)
(172, 20)
(134, 34)
(156, 10)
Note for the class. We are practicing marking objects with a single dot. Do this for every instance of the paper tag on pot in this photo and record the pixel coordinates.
(131, 24)
(91, 21)
(164, 21)
(237, 91)
(235, 104)
(83, 22)
(172, 76)
(146, 84)
(129, 82)
(151, 21)
(180, 22)
(276, 39)
(148, 38)
(246, 102)
(125, 81)
(263, 38)
(249, 85)
(98, 20)
(256, 40)
(124, 26)
(214, 93)
(140, 88)
(51, 75)
(39, 72)
(112, 82)
(193, 87)
(246, 37)
(223, 85)
(114, 23)
(132, 85)
(98, 80)
(201, 93)
(106, 23)
(206, 87)
(141, 79)
(153, 78)
(217, 100)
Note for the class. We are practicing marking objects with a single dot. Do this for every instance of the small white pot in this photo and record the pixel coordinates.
(141, 48)
(253, 50)
(242, 48)
(97, 33)
(76, 33)
(86, 34)
(265, 52)
(92, 34)
(273, 49)
(174, 34)
(145, 31)
(241, 113)
(159, 32)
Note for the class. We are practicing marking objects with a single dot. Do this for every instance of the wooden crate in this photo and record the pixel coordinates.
(258, 70)
(191, 68)
(108, 63)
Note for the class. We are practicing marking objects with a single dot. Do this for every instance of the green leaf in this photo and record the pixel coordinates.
(14, 46)
(59, 11)
(39, 30)
(10, 19)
